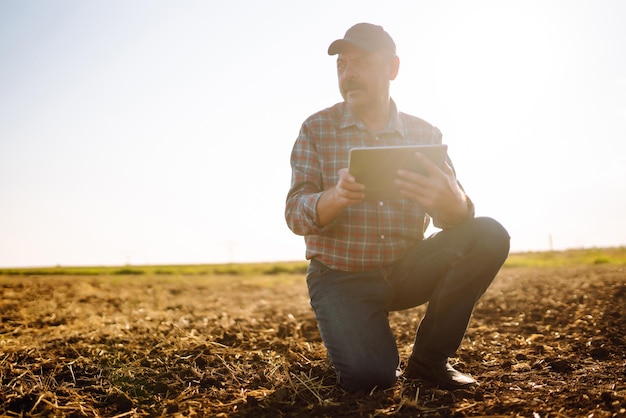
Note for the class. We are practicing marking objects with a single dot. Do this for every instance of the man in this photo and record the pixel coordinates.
(370, 257)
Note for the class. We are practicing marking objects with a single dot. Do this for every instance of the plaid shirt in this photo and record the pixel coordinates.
(370, 234)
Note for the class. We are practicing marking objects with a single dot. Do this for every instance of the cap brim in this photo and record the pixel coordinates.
(338, 46)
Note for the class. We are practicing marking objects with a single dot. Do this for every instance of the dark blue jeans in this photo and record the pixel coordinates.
(450, 270)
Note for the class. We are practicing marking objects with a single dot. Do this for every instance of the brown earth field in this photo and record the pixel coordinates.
(543, 342)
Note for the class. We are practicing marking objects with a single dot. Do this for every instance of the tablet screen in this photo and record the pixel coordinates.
(376, 167)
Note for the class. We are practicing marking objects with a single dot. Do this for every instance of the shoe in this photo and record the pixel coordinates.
(442, 374)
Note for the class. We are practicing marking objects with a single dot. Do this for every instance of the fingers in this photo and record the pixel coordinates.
(348, 182)
(422, 194)
(345, 175)
(348, 188)
(426, 189)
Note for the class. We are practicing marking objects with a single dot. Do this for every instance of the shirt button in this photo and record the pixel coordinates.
(381, 203)
(382, 237)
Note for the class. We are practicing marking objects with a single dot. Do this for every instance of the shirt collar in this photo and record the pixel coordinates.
(395, 124)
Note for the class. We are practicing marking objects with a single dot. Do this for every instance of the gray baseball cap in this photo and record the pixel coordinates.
(365, 36)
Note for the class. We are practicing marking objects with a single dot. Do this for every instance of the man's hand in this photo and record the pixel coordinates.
(438, 192)
(346, 192)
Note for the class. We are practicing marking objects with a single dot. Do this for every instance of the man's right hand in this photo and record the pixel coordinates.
(346, 192)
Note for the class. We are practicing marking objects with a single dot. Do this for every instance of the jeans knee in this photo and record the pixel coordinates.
(495, 238)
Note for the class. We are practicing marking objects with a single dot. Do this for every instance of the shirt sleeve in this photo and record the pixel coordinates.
(306, 186)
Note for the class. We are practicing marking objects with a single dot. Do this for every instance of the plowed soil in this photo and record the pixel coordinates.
(542, 343)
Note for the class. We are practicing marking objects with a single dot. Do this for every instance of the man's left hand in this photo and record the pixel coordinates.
(437, 192)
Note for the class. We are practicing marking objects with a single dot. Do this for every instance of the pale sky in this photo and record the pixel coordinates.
(159, 132)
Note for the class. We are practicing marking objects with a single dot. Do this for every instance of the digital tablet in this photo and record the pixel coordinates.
(376, 167)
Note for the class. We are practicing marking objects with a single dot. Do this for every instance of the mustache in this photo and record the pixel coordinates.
(352, 85)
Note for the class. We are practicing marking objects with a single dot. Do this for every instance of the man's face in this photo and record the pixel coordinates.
(364, 77)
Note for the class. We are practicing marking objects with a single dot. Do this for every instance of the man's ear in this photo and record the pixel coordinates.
(394, 67)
